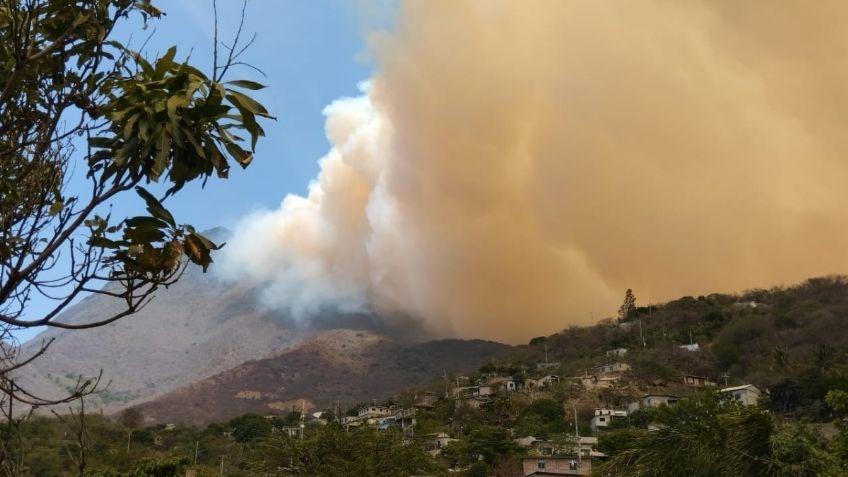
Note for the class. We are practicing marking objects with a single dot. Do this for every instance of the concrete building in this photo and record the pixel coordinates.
(603, 418)
(748, 395)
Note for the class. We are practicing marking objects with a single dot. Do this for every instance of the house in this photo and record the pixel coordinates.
(434, 443)
(426, 401)
(617, 352)
(603, 418)
(559, 465)
(747, 395)
(652, 400)
(585, 446)
(525, 442)
(543, 382)
(373, 412)
(657, 400)
(617, 367)
(696, 381)
(547, 365)
(351, 421)
(690, 347)
(476, 402)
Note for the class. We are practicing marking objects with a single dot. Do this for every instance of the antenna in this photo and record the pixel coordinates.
(546, 353)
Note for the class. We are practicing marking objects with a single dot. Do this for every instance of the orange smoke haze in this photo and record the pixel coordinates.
(513, 166)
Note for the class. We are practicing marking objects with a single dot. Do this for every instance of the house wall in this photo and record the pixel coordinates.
(556, 465)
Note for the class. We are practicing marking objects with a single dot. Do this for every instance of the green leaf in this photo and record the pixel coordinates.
(56, 207)
(246, 84)
(241, 156)
(248, 103)
(142, 222)
(166, 62)
(102, 242)
(155, 207)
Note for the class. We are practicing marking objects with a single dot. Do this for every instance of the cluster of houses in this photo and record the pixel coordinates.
(747, 395)
(568, 456)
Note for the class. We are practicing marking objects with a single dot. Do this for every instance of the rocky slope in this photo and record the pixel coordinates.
(196, 328)
(335, 367)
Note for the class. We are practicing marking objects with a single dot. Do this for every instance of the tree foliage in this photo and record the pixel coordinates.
(628, 308)
(74, 101)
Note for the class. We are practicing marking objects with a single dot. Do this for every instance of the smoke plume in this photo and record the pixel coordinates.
(512, 167)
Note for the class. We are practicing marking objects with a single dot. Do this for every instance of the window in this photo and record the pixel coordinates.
(541, 464)
(602, 419)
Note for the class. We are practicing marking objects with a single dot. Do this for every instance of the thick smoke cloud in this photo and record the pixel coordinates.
(514, 166)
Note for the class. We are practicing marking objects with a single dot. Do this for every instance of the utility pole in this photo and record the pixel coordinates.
(642, 336)
(129, 437)
(725, 376)
(577, 434)
(546, 353)
(196, 447)
(222, 465)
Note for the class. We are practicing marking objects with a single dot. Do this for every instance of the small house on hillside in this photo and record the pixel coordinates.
(547, 365)
(617, 352)
(653, 400)
(657, 400)
(747, 395)
(603, 418)
(692, 347)
(373, 412)
(434, 443)
(696, 381)
(617, 367)
(426, 400)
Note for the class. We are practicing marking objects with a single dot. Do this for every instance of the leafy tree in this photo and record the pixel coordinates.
(838, 402)
(329, 451)
(797, 451)
(541, 418)
(628, 308)
(702, 436)
(249, 427)
(72, 97)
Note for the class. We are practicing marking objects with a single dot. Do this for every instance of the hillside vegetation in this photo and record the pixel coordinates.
(535, 402)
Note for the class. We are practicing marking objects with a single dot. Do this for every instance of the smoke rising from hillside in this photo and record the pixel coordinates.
(514, 166)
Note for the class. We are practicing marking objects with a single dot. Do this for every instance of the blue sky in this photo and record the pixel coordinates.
(312, 52)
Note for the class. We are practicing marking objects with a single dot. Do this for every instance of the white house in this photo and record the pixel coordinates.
(657, 400)
(617, 367)
(617, 352)
(748, 395)
(690, 347)
(373, 412)
(603, 418)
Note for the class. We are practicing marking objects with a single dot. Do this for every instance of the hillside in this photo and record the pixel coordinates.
(787, 340)
(194, 329)
(341, 367)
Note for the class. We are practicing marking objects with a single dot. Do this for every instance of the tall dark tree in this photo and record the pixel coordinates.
(628, 308)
